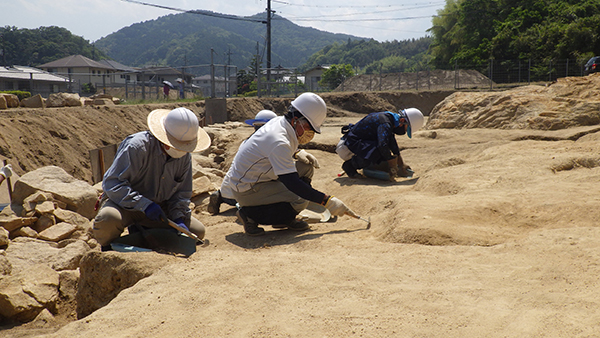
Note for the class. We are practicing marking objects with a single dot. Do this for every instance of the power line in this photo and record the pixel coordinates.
(216, 15)
(359, 13)
(374, 19)
(429, 4)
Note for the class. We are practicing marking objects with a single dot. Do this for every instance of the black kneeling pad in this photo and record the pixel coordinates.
(271, 214)
(160, 240)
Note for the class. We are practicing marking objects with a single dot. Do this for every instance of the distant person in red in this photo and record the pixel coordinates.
(166, 90)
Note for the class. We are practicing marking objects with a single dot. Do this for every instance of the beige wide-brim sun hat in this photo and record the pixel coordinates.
(157, 128)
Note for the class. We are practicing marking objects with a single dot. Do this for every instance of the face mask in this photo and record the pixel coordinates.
(174, 153)
(307, 135)
(400, 130)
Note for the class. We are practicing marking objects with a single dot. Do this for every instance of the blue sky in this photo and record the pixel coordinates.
(382, 20)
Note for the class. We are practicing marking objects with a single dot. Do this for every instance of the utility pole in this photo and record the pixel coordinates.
(3, 51)
(227, 84)
(257, 71)
(212, 74)
(269, 12)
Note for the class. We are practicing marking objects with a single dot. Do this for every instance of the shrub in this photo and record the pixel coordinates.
(20, 94)
(88, 88)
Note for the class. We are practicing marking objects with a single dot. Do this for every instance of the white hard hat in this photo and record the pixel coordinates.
(311, 106)
(179, 129)
(262, 116)
(415, 120)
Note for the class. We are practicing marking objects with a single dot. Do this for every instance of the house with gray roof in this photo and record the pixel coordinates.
(81, 70)
(33, 80)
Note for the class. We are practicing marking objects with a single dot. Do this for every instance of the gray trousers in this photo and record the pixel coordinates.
(111, 221)
(274, 191)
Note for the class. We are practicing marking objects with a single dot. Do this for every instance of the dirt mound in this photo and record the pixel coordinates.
(33, 138)
(568, 102)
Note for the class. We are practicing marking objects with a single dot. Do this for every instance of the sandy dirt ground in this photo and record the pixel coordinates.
(496, 236)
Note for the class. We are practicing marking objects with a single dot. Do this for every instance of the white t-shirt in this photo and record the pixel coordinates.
(264, 156)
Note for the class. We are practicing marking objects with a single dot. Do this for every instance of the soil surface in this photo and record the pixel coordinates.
(496, 236)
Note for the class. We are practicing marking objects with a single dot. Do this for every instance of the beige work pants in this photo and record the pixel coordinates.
(274, 191)
(111, 221)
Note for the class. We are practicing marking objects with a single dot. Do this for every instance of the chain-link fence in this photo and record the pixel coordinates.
(218, 81)
(157, 83)
(491, 75)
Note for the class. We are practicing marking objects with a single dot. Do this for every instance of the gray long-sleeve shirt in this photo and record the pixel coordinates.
(142, 173)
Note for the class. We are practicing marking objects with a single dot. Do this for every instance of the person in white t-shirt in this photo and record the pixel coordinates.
(305, 162)
(263, 175)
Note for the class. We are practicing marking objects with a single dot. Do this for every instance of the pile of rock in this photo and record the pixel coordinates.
(44, 234)
(56, 100)
(48, 255)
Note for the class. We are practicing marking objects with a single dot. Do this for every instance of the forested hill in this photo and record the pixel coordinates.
(370, 56)
(187, 39)
(32, 47)
(471, 31)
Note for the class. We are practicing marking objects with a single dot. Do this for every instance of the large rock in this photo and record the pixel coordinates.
(12, 100)
(68, 284)
(64, 100)
(104, 274)
(25, 294)
(23, 252)
(103, 102)
(79, 196)
(3, 103)
(36, 101)
(201, 185)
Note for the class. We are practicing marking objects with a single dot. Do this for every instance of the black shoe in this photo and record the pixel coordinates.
(350, 170)
(105, 248)
(251, 228)
(214, 203)
(298, 225)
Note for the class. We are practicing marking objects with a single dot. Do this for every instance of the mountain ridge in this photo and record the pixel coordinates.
(187, 39)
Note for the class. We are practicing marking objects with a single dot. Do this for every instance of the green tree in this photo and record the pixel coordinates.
(474, 31)
(335, 75)
(32, 47)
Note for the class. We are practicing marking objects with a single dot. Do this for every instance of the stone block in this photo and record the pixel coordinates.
(46, 207)
(57, 232)
(79, 196)
(44, 222)
(12, 100)
(36, 101)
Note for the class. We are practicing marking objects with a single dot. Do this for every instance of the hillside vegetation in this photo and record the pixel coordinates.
(370, 56)
(32, 47)
(187, 39)
(474, 31)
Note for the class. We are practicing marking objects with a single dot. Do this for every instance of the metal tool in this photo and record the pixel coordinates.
(368, 221)
(186, 231)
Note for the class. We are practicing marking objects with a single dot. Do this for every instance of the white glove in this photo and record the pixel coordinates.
(6, 171)
(338, 208)
(307, 158)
